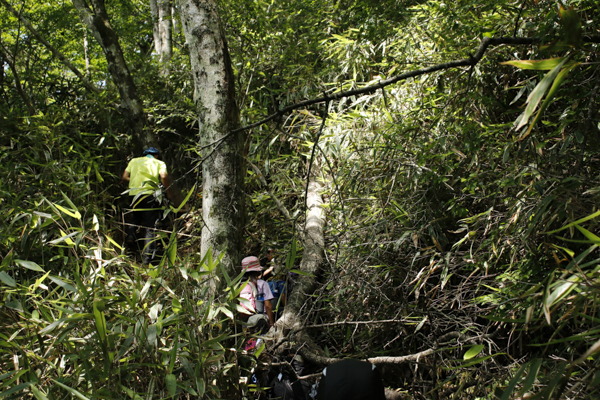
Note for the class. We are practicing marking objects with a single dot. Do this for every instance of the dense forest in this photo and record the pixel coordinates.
(428, 171)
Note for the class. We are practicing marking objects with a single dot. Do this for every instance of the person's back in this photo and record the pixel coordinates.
(142, 170)
(351, 379)
(139, 173)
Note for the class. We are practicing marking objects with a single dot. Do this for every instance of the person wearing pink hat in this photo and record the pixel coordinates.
(257, 292)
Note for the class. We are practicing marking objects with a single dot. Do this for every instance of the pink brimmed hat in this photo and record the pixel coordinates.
(251, 263)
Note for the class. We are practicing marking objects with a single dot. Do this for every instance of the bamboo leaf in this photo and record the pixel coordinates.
(578, 222)
(7, 279)
(75, 214)
(39, 395)
(473, 351)
(15, 389)
(593, 238)
(538, 92)
(174, 352)
(171, 382)
(186, 199)
(513, 382)
(172, 249)
(538, 65)
(71, 390)
(560, 292)
(530, 379)
(557, 83)
(200, 386)
(100, 322)
(63, 284)
(29, 265)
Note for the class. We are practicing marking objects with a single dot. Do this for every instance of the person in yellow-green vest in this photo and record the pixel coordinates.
(144, 174)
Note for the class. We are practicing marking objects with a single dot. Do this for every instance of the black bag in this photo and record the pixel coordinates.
(285, 386)
(351, 379)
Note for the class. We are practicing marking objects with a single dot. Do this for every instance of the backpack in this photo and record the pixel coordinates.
(351, 379)
(249, 292)
(285, 386)
(277, 288)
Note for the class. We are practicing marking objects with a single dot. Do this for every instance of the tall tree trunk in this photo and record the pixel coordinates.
(162, 29)
(96, 19)
(165, 30)
(223, 167)
(155, 26)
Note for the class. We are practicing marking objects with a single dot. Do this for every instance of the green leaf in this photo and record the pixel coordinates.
(15, 389)
(538, 65)
(172, 249)
(63, 284)
(513, 382)
(174, 352)
(560, 292)
(557, 83)
(578, 222)
(530, 380)
(39, 395)
(75, 214)
(7, 279)
(536, 95)
(29, 265)
(593, 238)
(473, 362)
(71, 390)
(100, 322)
(473, 351)
(291, 257)
(131, 393)
(571, 26)
(151, 335)
(186, 199)
(176, 305)
(200, 386)
(171, 382)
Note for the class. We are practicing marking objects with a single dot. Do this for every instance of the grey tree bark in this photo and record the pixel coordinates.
(162, 29)
(165, 30)
(223, 165)
(93, 14)
(155, 26)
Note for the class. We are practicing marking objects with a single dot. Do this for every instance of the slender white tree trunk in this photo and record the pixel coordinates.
(165, 30)
(222, 151)
(155, 27)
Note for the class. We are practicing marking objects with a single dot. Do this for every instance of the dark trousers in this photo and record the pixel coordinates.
(146, 213)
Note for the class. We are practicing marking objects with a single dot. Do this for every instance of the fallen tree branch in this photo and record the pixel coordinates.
(383, 321)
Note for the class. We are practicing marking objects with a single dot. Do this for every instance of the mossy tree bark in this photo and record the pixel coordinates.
(222, 151)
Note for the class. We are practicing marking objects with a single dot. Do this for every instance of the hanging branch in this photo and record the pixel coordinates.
(467, 62)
